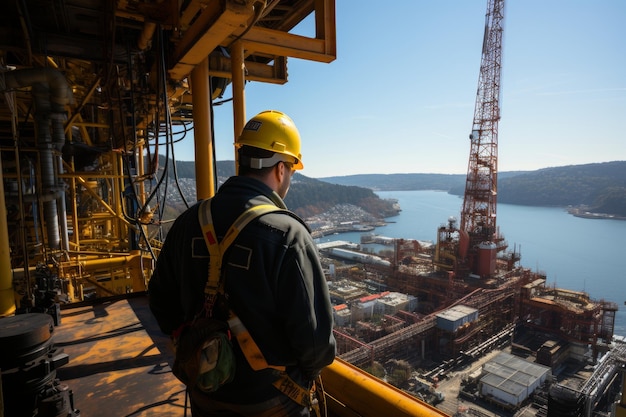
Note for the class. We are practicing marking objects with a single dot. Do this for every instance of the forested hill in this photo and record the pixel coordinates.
(599, 187)
(307, 196)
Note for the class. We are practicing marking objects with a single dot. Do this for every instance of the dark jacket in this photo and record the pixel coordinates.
(274, 281)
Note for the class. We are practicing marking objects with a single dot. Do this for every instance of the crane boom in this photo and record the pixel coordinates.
(478, 215)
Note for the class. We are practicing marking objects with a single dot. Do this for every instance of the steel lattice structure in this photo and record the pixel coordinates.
(478, 216)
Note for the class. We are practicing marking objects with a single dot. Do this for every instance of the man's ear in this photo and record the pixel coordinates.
(282, 168)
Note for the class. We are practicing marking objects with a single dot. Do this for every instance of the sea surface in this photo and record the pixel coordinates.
(575, 253)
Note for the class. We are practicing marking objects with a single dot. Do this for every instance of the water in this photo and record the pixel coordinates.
(577, 254)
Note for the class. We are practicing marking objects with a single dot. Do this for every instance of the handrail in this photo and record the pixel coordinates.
(351, 391)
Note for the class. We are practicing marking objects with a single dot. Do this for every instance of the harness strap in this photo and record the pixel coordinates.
(313, 398)
(215, 283)
(251, 350)
(217, 249)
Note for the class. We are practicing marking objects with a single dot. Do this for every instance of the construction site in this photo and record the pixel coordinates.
(439, 324)
(94, 93)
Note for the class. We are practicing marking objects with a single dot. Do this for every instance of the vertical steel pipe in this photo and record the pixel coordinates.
(239, 80)
(203, 145)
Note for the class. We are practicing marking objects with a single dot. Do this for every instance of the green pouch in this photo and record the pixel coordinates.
(217, 363)
(204, 355)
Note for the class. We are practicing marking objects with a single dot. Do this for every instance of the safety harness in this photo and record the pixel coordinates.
(215, 285)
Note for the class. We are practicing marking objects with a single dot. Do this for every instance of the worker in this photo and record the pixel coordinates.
(273, 277)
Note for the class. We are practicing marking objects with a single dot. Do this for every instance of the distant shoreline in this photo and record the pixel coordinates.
(582, 213)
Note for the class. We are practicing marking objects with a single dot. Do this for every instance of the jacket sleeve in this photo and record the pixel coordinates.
(308, 311)
(176, 289)
(164, 287)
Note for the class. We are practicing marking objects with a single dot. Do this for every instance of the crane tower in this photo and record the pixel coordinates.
(478, 215)
(474, 250)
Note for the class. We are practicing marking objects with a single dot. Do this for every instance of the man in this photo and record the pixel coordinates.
(273, 277)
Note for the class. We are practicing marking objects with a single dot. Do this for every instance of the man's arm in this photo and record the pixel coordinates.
(308, 314)
(164, 288)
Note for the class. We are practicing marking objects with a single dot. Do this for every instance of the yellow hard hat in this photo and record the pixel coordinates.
(273, 131)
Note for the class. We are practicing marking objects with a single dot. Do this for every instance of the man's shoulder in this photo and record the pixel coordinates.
(284, 219)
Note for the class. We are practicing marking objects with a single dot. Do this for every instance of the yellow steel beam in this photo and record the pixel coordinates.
(275, 73)
(272, 42)
(76, 115)
(325, 25)
(353, 392)
(117, 214)
(214, 24)
(323, 48)
(191, 10)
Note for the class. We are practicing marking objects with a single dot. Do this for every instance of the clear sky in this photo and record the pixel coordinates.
(400, 96)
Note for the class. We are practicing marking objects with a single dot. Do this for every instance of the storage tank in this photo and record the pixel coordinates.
(487, 252)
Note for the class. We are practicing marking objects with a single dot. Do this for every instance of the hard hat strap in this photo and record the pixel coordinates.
(258, 163)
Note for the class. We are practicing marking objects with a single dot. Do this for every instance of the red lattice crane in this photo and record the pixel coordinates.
(474, 250)
(478, 215)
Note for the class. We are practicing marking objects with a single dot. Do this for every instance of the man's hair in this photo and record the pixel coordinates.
(245, 153)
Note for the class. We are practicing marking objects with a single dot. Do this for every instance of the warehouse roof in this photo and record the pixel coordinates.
(511, 374)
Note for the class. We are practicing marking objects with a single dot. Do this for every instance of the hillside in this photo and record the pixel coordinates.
(407, 182)
(597, 188)
(307, 196)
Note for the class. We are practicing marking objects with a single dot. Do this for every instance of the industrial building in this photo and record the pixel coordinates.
(509, 380)
(453, 318)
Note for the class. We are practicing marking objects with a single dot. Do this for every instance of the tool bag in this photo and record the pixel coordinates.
(204, 354)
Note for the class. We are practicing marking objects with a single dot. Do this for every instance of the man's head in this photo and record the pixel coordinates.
(269, 148)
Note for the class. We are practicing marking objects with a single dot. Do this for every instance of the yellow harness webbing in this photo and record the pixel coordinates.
(248, 346)
(217, 249)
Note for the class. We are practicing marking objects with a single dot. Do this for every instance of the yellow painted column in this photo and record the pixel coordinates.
(239, 98)
(203, 145)
(7, 297)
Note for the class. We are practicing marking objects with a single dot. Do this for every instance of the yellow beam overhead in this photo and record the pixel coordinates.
(215, 25)
(268, 41)
(211, 27)
(275, 73)
(322, 48)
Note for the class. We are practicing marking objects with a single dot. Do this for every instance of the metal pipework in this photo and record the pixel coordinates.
(50, 93)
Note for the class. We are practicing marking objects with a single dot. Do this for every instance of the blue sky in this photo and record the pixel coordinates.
(400, 96)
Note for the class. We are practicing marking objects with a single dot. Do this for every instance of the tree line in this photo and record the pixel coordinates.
(600, 187)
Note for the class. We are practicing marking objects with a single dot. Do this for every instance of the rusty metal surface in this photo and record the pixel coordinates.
(118, 362)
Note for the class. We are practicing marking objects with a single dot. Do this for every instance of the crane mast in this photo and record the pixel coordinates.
(471, 248)
(478, 215)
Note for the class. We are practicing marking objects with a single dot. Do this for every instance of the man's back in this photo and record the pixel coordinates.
(275, 284)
